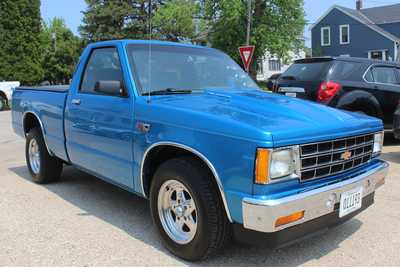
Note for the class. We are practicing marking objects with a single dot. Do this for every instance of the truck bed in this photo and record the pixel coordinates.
(47, 104)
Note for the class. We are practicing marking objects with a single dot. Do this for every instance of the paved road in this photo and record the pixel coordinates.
(82, 221)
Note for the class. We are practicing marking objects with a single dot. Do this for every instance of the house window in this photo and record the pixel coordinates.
(378, 54)
(325, 36)
(260, 67)
(344, 34)
(274, 65)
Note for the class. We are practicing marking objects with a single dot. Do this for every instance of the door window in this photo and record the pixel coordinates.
(384, 75)
(103, 65)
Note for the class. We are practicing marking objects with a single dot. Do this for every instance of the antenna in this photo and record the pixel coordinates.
(149, 63)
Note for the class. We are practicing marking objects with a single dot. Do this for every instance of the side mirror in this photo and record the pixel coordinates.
(113, 88)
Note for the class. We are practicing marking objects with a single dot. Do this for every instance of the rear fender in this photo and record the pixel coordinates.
(361, 101)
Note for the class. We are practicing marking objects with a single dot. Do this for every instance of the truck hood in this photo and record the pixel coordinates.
(262, 116)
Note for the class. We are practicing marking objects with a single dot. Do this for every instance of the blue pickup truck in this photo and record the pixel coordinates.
(217, 157)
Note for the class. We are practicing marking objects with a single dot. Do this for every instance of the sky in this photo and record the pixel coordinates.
(71, 10)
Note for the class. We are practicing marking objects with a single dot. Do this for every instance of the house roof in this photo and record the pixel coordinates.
(383, 14)
(366, 20)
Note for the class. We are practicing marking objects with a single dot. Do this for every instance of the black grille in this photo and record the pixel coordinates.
(332, 157)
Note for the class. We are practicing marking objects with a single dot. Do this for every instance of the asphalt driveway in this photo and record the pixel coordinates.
(83, 221)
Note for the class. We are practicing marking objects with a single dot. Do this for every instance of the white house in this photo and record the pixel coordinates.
(270, 65)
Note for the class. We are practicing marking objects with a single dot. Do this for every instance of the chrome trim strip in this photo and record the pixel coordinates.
(260, 215)
(209, 164)
(339, 139)
(41, 127)
(330, 164)
(329, 152)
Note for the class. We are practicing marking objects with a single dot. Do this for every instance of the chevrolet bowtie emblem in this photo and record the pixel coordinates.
(346, 155)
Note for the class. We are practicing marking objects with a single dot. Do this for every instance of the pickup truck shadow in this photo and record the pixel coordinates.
(391, 156)
(390, 140)
(130, 213)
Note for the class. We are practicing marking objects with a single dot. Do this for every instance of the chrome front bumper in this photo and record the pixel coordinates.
(261, 215)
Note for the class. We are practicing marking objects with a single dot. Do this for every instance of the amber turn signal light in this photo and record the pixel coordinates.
(262, 166)
(290, 218)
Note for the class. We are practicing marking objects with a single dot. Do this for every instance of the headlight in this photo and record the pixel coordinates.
(378, 143)
(275, 165)
(283, 163)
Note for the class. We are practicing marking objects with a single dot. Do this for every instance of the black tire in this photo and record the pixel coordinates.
(50, 167)
(3, 103)
(213, 230)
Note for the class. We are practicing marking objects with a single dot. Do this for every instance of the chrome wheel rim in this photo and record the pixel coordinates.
(34, 156)
(177, 212)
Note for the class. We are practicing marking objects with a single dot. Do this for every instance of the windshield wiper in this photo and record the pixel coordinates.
(288, 78)
(169, 91)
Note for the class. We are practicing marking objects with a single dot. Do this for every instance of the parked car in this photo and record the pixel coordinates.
(6, 89)
(216, 156)
(356, 84)
(272, 81)
(396, 122)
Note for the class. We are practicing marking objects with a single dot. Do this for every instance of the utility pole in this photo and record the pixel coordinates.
(248, 22)
(150, 26)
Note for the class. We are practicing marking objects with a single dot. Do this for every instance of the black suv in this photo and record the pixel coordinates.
(356, 84)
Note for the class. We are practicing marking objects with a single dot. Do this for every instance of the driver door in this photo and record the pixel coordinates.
(99, 127)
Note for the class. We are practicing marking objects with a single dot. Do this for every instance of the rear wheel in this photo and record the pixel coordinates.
(42, 166)
(187, 209)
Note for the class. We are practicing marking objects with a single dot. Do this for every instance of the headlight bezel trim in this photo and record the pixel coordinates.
(295, 149)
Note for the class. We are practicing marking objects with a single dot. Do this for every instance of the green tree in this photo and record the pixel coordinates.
(115, 19)
(277, 26)
(20, 49)
(174, 21)
(61, 51)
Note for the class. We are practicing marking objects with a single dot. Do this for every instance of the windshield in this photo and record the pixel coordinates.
(184, 68)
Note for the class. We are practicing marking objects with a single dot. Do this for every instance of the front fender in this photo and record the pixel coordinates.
(231, 159)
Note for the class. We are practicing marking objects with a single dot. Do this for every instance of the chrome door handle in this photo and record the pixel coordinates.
(76, 101)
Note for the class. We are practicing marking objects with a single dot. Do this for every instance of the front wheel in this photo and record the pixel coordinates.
(43, 167)
(187, 209)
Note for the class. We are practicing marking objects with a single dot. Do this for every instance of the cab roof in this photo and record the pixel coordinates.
(145, 42)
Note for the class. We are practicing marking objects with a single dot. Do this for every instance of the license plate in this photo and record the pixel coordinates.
(291, 94)
(350, 201)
